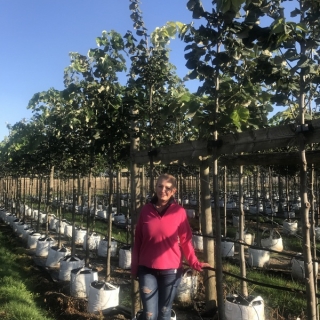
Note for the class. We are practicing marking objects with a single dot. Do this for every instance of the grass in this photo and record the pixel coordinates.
(17, 285)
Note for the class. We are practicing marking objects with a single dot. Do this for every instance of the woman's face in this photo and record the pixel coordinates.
(164, 190)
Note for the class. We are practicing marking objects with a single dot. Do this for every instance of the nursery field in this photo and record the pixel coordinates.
(52, 296)
(265, 281)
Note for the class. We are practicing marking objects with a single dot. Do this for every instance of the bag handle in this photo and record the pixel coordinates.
(186, 272)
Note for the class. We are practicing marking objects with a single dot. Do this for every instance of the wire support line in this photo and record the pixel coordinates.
(292, 290)
(242, 243)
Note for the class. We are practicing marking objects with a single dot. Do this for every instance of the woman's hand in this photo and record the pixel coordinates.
(205, 265)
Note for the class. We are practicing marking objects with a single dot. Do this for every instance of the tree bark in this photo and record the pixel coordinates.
(243, 271)
(207, 230)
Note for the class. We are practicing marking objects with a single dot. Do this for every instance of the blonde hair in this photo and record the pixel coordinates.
(168, 177)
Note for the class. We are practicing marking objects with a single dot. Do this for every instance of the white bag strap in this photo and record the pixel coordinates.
(256, 299)
(186, 272)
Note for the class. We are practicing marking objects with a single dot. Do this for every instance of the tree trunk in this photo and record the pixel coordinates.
(243, 271)
(88, 219)
(218, 259)
(256, 197)
(143, 196)
(134, 204)
(118, 187)
(110, 193)
(207, 230)
(74, 201)
(39, 203)
(224, 201)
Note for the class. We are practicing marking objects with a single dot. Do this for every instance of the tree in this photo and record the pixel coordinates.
(221, 57)
(105, 119)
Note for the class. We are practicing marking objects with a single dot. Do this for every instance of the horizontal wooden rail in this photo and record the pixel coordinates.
(252, 141)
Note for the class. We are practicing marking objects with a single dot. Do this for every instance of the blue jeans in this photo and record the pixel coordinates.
(157, 291)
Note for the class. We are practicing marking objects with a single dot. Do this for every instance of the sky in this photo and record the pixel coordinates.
(36, 37)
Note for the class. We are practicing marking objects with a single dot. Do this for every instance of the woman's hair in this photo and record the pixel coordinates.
(168, 177)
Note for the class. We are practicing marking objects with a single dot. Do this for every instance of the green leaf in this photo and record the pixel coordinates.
(291, 55)
(302, 26)
(303, 62)
(191, 4)
(278, 26)
(193, 107)
(171, 29)
(278, 60)
(185, 97)
(295, 12)
(133, 6)
(140, 32)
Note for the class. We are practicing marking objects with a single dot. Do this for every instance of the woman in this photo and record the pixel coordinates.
(163, 236)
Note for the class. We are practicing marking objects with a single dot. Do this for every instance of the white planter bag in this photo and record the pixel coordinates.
(43, 245)
(103, 248)
(67, 264)
(125, 258)
(227, 248)
(55, 255)
(33, 239)
(60, 224)
(298, 269)
(191, 213)
(15, 224)
(187, 288)
(4, 216)
(119, 217)
(79, 236)
(42, 217)
(93, 241)
(102, 297)
(26, 232)
(197, 241)
(290, 227)
(35, 215)
(14, 220)
(244, 309)
(289, 215)
(80, 281)
(53, 223)
(68, 230)
(20, 227)
(273, 241)
(102, 214)
(9, 218)
(29, 212)
(317, 233)
(185, 201)
(50, 217)
(258, 258)
(248, 237)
